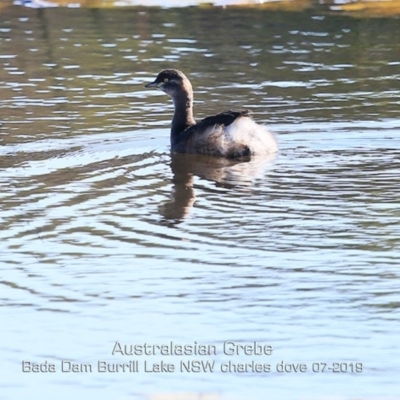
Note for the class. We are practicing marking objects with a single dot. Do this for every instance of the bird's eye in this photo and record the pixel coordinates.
(166, 79)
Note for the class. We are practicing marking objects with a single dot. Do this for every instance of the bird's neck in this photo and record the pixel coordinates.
(183, 115)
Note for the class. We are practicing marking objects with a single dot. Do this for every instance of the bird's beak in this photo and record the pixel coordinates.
(153, 84)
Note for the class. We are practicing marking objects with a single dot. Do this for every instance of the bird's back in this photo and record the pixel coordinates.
(228, 134)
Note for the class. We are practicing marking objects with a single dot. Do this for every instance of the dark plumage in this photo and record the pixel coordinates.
(228, 134)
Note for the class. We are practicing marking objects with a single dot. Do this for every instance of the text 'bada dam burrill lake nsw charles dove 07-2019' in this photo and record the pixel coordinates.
(130, 271)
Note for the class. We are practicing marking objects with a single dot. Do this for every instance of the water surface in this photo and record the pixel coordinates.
(105, 236)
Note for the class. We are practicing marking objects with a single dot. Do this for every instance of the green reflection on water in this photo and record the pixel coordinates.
(66, 71)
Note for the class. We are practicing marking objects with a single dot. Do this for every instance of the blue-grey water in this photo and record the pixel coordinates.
(106, 237)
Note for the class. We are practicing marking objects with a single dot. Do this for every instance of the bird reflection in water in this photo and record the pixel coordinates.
(236, 174)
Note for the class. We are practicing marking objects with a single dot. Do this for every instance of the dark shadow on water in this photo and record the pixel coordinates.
(231, 174)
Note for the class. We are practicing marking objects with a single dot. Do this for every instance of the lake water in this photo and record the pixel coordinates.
(106, 237)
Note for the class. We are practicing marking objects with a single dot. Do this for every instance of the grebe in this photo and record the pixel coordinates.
(228, 134)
